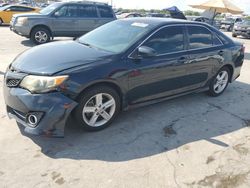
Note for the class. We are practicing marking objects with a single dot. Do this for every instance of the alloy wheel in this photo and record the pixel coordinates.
(221, 82)
(99, 109)
(41, 36)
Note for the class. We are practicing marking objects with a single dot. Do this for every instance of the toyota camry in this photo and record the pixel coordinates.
(123, 64)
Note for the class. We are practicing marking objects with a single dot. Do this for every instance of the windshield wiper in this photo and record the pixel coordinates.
(86, 44)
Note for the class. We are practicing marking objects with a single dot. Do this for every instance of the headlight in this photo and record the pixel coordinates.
(42, 84)
(22, 20)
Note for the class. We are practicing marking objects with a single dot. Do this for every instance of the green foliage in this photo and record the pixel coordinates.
(191, 13)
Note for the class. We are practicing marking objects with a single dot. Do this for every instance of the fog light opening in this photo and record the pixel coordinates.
(32, 119)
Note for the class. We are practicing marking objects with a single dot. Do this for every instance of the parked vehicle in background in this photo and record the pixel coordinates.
(158, 15)
(63, 19)
(43, 5)
(123, 64)
(228, 23)
(242, 29)
(3, 4)
(129, 15)
(214, 22)
(8, 11)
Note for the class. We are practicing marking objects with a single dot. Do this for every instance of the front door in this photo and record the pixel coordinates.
(65, 21)
(163, 74)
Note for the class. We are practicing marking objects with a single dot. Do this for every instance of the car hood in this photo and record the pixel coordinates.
(49, 59)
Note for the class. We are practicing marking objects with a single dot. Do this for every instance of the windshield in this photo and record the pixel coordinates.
(116, 36)
(47, 10)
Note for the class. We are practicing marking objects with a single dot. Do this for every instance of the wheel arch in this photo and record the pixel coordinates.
(231, 69)
(110, 84)
(43, 26)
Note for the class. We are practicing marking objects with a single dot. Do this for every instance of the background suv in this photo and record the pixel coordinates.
(70, 19)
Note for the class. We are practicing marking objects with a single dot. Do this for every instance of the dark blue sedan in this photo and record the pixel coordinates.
(123, 64)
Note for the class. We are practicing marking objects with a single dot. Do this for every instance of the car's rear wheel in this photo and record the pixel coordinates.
(220, 82)
(97, 108)
(1, 21)
(40, 35)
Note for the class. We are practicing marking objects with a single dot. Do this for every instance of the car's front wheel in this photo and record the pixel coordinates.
(220, 82)
(40, 35)
(1, 21)
(97, 108)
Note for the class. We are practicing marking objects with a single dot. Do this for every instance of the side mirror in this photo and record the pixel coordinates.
(145, 51)
(56, 14)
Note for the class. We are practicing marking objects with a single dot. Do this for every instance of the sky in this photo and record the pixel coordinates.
(160, 4)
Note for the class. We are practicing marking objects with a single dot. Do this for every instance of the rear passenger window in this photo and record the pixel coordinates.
(87, 11)
(199, 37)
(25, 9)
(216, 41)
(167, 40)
(105, 12)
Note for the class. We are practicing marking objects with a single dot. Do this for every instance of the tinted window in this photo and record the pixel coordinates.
(167, 40)
(67, 11)
(105, 12)
(19, 9)
(87, 11)
(216, 41)
(199, 37)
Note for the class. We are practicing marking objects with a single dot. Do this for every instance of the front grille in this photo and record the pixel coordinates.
(12, 82)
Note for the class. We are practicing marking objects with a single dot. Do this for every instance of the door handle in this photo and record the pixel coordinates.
(182, 60)
(221, 53)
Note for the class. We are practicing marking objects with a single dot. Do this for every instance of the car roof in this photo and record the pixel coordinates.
(85, 2)
(163, 21)
(17, 5)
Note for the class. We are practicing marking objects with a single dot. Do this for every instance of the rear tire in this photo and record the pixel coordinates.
(98, 107)
(40, 35)
(1, 21)
(219, 82)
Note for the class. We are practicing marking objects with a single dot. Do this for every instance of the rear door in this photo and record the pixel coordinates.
(164, 74)
(106, 15)
(88, 18)
(205, 52)
(65, 21)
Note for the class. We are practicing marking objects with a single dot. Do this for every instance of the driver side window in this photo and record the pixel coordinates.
(167, 40)
(67, 11)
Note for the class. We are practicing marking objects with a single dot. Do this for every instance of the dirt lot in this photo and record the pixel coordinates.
(193, 141)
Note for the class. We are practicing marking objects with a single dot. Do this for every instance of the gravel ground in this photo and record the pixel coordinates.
(192, 141)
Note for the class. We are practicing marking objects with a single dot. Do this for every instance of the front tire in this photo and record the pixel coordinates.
(97, 108)
(40, 35)
(220, 82)
(1, 21)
